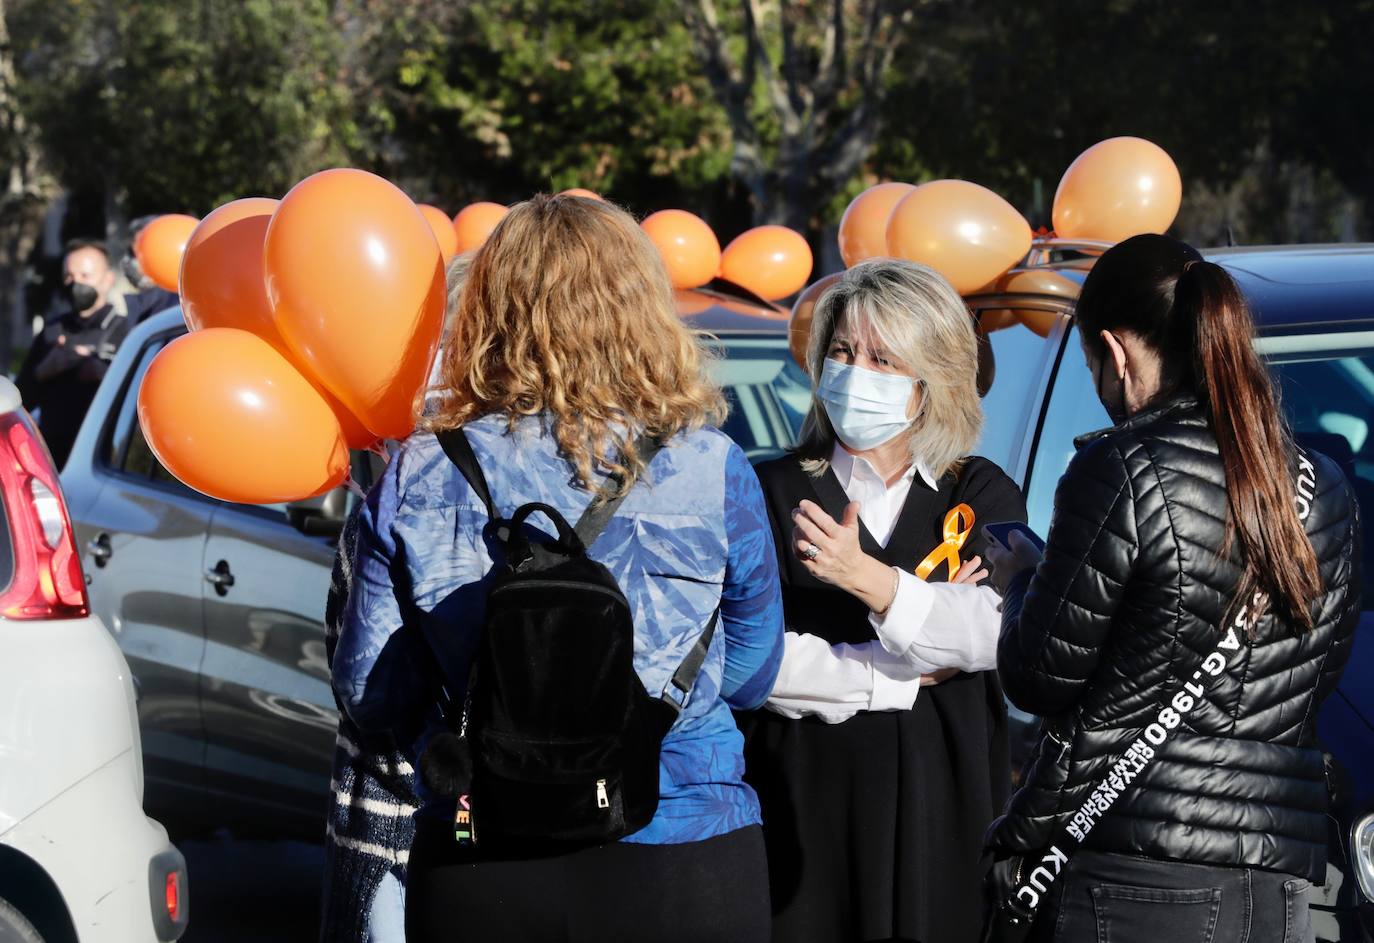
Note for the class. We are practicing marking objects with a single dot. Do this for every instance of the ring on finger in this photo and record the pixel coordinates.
(811, 552)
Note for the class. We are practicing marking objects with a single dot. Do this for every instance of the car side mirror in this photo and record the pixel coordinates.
(320, 516)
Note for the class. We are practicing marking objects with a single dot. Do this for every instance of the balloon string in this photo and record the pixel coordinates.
(355, 489)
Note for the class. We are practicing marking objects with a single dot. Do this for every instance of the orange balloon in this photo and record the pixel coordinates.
(1118, 188)
(863, 228)
(160, 246)
(996, 319)
(222, 281)
(771, 261)
(474, 224)
(582, 192)
(967, 233)
(356, 283)
(442, 227)
(689, 248)
(1039, 281)
(230, 417)
(689, 303)
(799, 329)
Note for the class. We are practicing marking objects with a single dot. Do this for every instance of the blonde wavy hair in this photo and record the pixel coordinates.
(923, 322)
(567, 312)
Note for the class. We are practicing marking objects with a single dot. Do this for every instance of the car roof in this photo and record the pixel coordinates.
(709, 310)
(1298, 288)
(719, 312)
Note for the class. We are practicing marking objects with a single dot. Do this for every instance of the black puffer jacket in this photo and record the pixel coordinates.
(1123, 610)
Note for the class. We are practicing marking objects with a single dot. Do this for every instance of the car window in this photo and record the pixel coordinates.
(1328, 397)
(768, 394)
(1326, 386)
(1019, 351)
(122, 452)
(1074, 410)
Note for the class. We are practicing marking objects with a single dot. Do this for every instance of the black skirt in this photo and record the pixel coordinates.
(874, 827)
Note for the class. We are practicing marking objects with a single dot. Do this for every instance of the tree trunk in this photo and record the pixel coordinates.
(822, 94)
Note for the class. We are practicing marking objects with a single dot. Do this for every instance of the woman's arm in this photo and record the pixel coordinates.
(751, 598)
(376, 676)
(835, 682)
(1056, 618)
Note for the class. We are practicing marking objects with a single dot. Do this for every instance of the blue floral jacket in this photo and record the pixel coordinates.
(691, 536)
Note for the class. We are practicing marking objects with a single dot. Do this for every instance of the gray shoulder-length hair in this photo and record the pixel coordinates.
(923, 322)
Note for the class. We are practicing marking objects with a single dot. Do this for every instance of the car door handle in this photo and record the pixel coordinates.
(220, 577)
(100, 549)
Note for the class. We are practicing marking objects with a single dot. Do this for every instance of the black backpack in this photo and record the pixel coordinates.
(557, 742)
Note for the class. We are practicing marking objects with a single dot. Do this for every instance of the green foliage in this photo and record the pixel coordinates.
(179, 105)
(498, 99)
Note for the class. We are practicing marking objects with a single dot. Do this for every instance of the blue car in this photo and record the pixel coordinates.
(1314, 309)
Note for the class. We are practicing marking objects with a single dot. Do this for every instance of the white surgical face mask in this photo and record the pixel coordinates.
(865, 407)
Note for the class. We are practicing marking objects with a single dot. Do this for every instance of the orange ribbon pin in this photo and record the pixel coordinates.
(960, 516)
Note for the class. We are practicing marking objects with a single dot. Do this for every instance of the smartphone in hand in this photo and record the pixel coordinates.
(1001, 533)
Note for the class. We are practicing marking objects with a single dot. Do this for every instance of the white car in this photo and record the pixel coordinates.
(79, 861)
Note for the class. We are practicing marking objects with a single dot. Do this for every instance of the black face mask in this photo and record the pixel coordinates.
(81, 296)
(1114, 405)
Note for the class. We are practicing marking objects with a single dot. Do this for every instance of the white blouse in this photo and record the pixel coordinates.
(929, 626)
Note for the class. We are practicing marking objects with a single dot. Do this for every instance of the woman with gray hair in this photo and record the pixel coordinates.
(882, 756)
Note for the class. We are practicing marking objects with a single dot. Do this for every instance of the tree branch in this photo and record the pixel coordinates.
(850, 145)
(833, 61)
(733, 92)
(722, 74)
(777, 90)
(798, 92)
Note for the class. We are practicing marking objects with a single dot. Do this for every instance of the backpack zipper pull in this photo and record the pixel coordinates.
(603, 801)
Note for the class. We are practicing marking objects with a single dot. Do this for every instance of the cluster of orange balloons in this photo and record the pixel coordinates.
(1117, 188)
(771, 261)
(965, 232)
(314, 321)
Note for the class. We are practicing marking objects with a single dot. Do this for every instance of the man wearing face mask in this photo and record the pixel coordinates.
(881, 756)
(68, 360)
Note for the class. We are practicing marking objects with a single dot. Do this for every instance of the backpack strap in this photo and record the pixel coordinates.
(594, 520)
(686, 674)
(459, 451)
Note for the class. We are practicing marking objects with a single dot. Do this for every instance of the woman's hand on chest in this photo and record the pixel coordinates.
(829, 550)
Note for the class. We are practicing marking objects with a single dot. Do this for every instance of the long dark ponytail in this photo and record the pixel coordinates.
(1193, 313)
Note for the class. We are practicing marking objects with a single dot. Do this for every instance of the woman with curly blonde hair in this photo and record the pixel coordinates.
(566, 357)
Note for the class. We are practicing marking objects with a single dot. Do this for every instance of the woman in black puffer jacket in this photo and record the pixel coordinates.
(1195, 513)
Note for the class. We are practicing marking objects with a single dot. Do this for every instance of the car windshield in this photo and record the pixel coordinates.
(768, 394)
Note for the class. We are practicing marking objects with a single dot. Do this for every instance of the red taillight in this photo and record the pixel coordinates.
(48, 582)
(173, 897)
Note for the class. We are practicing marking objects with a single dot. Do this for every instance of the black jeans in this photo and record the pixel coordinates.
(711, 891)
(1105, 898)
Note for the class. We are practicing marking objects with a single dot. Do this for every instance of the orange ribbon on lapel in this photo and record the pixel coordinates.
(948, 552)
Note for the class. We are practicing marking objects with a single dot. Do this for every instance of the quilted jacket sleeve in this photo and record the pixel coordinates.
(1055, 623)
